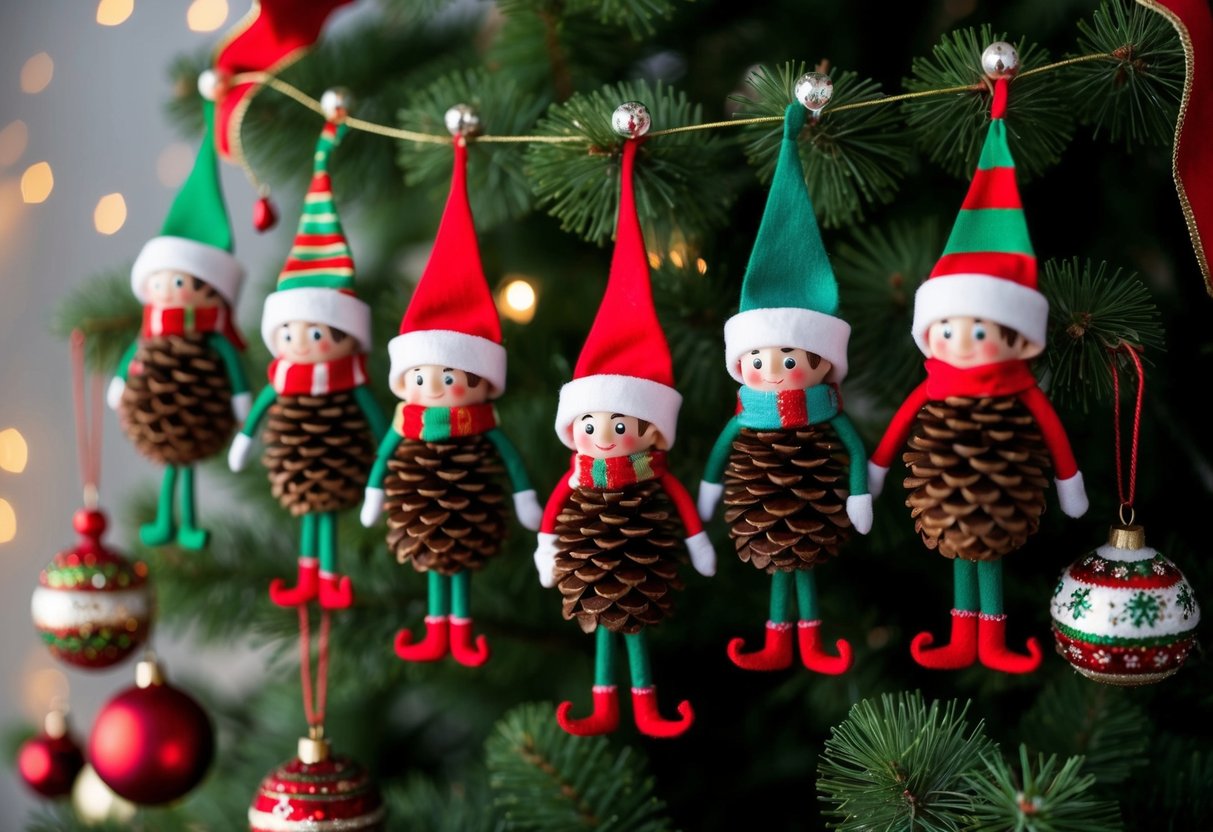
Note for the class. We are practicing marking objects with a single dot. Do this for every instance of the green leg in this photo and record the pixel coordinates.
(806, 595)
(461, 594)
(638, 660)
(964, 585)
(781, 597)
(604, 657)
(989, 581)
(438, 605)
(189, 536)
(162, 530)
(307, 537)
(326, 541)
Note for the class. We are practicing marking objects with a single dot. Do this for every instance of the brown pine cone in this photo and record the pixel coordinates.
(444, 502)
(178, 408)
(318, 452)
(785, 497)
(617, 557)
(978, 473)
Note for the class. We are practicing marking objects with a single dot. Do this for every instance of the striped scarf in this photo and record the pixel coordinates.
(776, 409)
(435, 424)
(188, 320)
(319, 379)
(590, 472)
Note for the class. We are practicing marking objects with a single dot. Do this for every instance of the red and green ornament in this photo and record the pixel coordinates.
(1124, 614)
(92, 606)
(317, 791)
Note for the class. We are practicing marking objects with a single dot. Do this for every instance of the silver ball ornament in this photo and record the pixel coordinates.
(209, 84)
(631, 119)
(462, 120)
(999, 60)
(814, 90)
(335, 103)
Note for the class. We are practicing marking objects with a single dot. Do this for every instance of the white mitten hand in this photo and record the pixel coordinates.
(527, 509)
(859, 510)
(1072, 495)
(545, 559)
(372, 506)
(703, 556)
(876, 475)
(709, 497)
(242, 403)
(113, 393)
(238, 454)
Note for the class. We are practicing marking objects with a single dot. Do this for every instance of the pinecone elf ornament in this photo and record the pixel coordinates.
(609, 538)
(982, 435)
(439, 467)
(321, 421)
(179, 389)
(794, 469)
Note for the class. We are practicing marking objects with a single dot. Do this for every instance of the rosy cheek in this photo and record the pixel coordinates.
(990, 352)
(752, 376)
(628, 443)
(324, 347)
(583, 442)
(458, 391)
(797, 376)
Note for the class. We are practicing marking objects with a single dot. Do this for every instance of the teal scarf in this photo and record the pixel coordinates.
(777, 409)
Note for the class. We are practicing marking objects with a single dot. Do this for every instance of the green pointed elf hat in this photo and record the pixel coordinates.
(988, 268)
(316, 283)
(197, 237)
(789, 297)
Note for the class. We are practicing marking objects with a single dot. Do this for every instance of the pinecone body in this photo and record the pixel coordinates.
(177, 405)
(446, 509)
(978, 473)
(785, 497)
(617, 557)
(318, 452)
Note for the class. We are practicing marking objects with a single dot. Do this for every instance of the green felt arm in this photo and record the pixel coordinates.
(719, 457)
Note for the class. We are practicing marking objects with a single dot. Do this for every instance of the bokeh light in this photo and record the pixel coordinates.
(110, 214)
(114, 12)
(37, 73)
(14, 452)
(206, 15)
(37, 183)
(13, 140)
(517, 299)
(8, 521)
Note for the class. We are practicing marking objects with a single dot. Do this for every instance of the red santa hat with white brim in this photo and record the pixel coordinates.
(625, 365)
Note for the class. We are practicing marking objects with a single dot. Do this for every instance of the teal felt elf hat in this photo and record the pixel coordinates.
(789, 296)
(197, 237)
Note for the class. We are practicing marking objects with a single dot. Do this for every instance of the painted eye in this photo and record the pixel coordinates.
(286, 334)
(448, 380)
(947, 332)
(589, 427)
(757, 363)
(315, 334)
(621, 428)
(979, 332)
(789, 363)
(420, 379)
(179, 282)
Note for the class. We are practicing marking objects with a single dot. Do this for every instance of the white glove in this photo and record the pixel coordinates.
(372, 506)
(709, 496)
(242, 403)
(545, 559)
(526, 508)
(703, 556)
(113, 394)
(876, 475)
(1072, 495)
(859, 509)
(238, 454)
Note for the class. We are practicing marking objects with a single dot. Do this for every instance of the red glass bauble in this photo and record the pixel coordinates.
(330, 793)
(49, 765)
(265, 216)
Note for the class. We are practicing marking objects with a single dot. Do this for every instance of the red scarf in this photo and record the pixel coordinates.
(1005, 378)
(435, 424)
(590, 472)
(317, 379)
(187, 320)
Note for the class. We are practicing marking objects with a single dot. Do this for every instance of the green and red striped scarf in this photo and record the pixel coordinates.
(590, 472)
(189, 320)
(435, 424)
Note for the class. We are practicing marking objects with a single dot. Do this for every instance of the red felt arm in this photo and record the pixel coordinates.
(560, 495)
(1052, 429)
(898, 431)
(683, 503)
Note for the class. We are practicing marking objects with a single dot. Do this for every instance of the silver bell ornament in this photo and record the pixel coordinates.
(999, 60)
(814, 90)
(335, 103)
(631, 119)
(461, 120)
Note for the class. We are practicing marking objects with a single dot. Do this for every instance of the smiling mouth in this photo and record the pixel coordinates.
(773, 381)
(604, 447)
(439, 396)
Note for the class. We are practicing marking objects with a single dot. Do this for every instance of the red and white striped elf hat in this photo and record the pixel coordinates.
(988, 268)
(625, 365)
(317, 282)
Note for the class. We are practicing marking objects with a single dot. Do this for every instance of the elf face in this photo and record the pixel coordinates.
(971, 342)
(305, 342)
(604, 435)
(432, 385)
(783, 368)
(171, 289)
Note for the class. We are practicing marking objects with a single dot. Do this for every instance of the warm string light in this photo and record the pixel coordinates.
(36, 73)
(37, 183)
(206, 15)
(517, 299)
(14, 452)
(8, 521)
(114, 12)
(110, 214)
(13, 140)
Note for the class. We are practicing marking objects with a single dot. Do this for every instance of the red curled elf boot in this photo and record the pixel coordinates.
(603, 720)
(776, 652)
(960, 652)
(808, 634)
(652, 724)
(992, 647)
(468, 651)
(305, 589)
(431, 648)
(336, 592)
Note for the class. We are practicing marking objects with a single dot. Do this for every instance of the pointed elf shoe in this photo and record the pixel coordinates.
(992, 648)
(603, 720)
(433, 647)
(307, 585)
(468, 650)
(960, 651)
(813, 657)
(775, 654)
(651, 723)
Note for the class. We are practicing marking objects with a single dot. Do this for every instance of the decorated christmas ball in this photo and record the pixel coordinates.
(317, 790)
(92, 606)
(1124, 614)
(151, 743)
(49, 762)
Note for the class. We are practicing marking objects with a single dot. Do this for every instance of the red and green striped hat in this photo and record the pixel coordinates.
(988, 268)
(317, 282)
